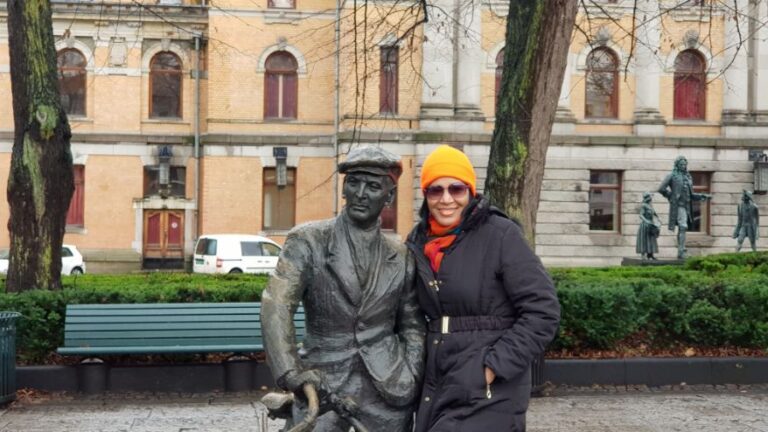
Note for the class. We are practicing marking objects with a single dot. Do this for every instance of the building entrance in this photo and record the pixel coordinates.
(163, 239)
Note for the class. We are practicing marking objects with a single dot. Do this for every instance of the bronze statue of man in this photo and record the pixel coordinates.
(364, 331)
(748, 222)
(677, 187)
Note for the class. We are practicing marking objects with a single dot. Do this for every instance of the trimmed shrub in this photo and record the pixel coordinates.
(41, 328)
(748, 259)
(707, 324)
(664, 308)
(597, 316)
(747, 303)
(726, 304)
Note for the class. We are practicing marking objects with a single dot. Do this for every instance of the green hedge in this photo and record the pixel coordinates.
(41, 329)
(712, 301)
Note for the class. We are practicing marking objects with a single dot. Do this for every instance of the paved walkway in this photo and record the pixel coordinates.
(702, 409)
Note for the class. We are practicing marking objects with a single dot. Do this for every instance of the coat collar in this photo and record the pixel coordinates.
(339, 257)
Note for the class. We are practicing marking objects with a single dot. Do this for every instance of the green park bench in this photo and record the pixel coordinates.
(165, 328)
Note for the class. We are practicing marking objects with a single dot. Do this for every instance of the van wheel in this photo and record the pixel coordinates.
(235, 271)
(77, 271)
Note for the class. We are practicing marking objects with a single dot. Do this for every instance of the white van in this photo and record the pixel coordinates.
(235, 253)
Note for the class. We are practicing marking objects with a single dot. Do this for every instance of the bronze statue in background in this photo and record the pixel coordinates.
(748, 222)
(677, 187)
(364, 346)
(648, 232)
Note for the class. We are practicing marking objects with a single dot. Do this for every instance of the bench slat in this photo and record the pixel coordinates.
(158, 333)
(161, 319)
(99, 327)
(100, 306)
(160, 349)
(162, 312)
(169, 341)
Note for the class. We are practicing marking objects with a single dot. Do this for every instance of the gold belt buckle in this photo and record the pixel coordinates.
(444, 320)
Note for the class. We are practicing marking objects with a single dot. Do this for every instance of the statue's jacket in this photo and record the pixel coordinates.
(380, 324)
(678, 189)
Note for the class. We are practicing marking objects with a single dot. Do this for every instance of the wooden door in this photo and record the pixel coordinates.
(164, 234)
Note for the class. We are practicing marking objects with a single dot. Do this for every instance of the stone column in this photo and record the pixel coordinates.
(565, 121)
(736, 74)
(470, 60)
(437, 98)
(648, 69)
(760, 56)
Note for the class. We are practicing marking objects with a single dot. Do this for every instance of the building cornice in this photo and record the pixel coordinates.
(325, 140)
(125, 12)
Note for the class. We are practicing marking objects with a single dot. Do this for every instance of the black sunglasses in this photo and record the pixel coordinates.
(457, 190)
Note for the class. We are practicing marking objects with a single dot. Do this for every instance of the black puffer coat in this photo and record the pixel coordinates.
(507, 313)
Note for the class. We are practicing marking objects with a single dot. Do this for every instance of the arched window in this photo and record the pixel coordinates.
(602, 77)
(72, 81)
(281, 86)
(690, 85)
(165, 86)
(499, 70)
(388, 83)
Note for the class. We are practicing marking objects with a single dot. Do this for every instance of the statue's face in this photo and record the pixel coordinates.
(366, 196)
(682, 165)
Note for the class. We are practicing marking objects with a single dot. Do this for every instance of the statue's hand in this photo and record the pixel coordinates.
(295, 380)
(346, 407)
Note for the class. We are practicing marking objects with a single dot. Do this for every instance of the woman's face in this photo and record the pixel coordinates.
(446, 207)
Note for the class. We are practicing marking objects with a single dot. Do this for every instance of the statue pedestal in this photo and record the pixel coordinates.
(656, 262)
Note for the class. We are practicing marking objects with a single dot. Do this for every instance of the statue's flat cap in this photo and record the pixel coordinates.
(372, 160)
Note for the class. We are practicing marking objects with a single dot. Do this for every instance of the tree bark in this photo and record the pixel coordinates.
(40, 183)
(535, 55)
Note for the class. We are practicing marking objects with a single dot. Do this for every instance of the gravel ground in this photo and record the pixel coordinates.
(560, 409)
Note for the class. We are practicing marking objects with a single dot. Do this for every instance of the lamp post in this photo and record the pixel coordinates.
(760, 160)
(164, 175)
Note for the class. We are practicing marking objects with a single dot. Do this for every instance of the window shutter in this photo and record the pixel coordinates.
(271, 95)
(388, 85)
(76, 212)
(290, 95)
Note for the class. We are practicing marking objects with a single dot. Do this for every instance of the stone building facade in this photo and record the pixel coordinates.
(194, 117)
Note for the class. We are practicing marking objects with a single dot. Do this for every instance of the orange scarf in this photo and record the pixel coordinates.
(443, 237)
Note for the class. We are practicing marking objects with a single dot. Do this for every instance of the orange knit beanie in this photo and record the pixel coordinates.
(446, 161)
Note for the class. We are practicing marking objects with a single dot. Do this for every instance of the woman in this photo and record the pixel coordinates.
(646, 244)
(491, 305)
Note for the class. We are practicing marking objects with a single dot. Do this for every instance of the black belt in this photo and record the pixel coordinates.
(446, 324)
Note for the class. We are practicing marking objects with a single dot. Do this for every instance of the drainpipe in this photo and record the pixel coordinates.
(336, 71)
(197, 136)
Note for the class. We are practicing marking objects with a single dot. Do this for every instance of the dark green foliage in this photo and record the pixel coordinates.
(751, 259)
(712, 301)
(40, 330)
(707, 324)
(719, 300)
(597, 317)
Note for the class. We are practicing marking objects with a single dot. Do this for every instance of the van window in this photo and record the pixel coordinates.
(65, 252)
(250, 248)
(206, 246)
(270, 249)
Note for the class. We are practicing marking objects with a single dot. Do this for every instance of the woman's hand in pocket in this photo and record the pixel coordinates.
(490, 376)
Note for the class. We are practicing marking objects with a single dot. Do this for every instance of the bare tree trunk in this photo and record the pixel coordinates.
(535, 56)
(40, 183)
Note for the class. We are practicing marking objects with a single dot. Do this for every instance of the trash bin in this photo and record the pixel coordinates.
(8, 356)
